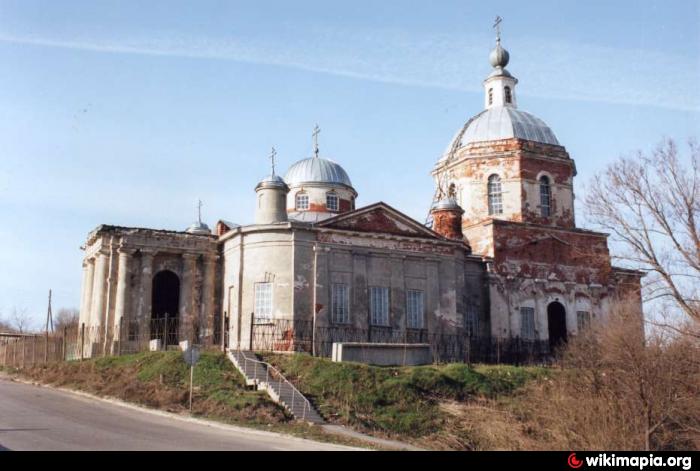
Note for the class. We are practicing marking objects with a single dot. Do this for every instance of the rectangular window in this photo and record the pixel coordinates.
(379, 305)
(414, 309)
(340, 303)
(471, 320)
(332, 202)
(527, 323)
(263, 301)
(302, 202)
(584, 320)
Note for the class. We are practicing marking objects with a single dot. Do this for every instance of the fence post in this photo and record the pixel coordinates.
(82, 341)
(119, 336)
(46, 348)
(252, 323)
(63, 343)
(34, 351)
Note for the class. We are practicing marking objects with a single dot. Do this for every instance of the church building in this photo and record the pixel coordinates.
(501, 258)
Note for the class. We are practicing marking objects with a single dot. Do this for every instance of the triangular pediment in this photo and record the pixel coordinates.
(379, 218)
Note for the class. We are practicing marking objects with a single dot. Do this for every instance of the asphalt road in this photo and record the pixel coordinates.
(38, 418)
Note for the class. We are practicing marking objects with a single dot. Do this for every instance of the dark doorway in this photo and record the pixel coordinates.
(165, 304)
(556, 321)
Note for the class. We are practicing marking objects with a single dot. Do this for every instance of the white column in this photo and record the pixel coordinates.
(144, 314)
(86, 304)
(120, 302)
(186, 311)
(208, 298)
(97, 311)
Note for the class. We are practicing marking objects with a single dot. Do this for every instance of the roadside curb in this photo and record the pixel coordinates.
(171, 415)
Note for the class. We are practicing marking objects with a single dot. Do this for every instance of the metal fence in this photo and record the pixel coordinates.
(280, 335)
(283, 335)
(81, 342)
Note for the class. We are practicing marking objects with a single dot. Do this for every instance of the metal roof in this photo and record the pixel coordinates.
(316, 169)
(310, 216)
(503, 122)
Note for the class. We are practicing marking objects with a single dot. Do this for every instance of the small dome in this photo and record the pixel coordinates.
(316, 170)
(502, 122)
(447, 203)
(272, 181)
(198, 228)
(499, 57)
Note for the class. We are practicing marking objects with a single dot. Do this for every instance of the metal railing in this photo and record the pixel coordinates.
(280, 380)
(457, 345)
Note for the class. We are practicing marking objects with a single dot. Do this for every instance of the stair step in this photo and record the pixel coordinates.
(287, 395)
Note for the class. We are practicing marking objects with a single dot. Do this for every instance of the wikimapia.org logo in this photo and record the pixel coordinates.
(639, 462)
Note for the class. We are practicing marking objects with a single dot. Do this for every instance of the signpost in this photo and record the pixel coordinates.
(191, 355)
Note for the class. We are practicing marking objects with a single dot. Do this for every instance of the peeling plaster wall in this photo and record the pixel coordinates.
(519, 164)
(120, 293)
(264, 256)
(317, 197)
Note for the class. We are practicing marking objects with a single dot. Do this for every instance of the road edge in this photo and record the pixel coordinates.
(171, 415)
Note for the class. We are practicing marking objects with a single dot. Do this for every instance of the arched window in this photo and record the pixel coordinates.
(490, 96)
(545, 196)
(509, 97)
(495, 198)
(302, 202)
(332, 201)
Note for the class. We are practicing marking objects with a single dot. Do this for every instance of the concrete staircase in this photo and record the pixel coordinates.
(266, 377)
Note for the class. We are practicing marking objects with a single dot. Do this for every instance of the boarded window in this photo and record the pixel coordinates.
(527, 323)
(415, 309)
(379, 305)
(495, 197)
(545, 196)
(263, 301)
(509, 97)
(302, 202)
(583, 319)
(340, 302)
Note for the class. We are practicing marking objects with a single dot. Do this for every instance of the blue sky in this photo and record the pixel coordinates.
(126, 112)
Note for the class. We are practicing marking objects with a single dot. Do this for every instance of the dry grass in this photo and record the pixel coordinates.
(161, 381)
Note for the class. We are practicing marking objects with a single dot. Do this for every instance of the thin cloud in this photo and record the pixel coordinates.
(558, 70)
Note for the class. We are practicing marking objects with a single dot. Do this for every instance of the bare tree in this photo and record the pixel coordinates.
(620, 390)
(20, 320)
(5, 324)
(651, 204)
(66, 317)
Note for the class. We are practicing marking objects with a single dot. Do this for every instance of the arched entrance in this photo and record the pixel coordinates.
(556, 322)
(165, 304)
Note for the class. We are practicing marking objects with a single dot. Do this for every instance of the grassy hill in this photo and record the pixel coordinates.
(452, 406)
(439, 406)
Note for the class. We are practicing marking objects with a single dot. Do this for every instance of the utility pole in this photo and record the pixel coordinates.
(49, 316)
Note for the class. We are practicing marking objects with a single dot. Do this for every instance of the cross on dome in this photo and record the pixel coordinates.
(315, 134)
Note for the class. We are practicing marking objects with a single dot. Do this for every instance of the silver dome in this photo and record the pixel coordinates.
(199, 228)
(316, 170)
(503, 122)
(499, 57)
(272, 181)
(447, 203)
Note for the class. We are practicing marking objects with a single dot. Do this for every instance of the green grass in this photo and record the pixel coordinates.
(401, 401)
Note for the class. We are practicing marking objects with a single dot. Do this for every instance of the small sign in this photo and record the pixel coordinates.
(191, 355)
